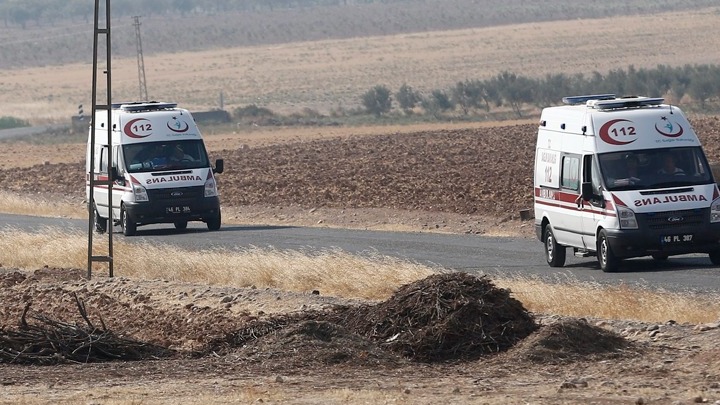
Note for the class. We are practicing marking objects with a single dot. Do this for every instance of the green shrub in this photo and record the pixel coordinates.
(12, 122)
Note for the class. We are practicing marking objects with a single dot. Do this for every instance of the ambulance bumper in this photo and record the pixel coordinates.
(196, 209)
(626, 243)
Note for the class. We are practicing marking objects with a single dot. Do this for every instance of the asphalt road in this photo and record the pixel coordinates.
(471, 253)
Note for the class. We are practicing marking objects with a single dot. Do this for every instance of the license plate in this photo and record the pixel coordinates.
(670, 239)
(177, 210)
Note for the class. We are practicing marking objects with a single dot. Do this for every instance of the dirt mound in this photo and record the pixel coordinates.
(569, 340)
(453, 316)
(443, 317)
(310, 343)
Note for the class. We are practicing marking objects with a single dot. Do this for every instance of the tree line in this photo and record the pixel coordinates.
(701, 83)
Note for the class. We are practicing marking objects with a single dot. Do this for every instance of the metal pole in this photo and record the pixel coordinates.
(92, 180)
(91, 167)
(110, 129)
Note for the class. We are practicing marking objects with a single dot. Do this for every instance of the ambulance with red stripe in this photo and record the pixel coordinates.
(159, 166)
(620, 178)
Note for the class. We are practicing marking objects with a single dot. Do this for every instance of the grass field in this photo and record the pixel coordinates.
(332, 74)
(338, 273)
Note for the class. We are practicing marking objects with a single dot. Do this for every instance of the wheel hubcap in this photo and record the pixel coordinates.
(549, 247)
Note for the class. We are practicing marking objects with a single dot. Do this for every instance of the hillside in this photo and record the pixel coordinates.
(330, 76)
(60, 32)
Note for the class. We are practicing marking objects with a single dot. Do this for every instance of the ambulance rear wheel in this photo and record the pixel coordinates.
(607, 259)
(554, 253)
(213, 223)
(101, 224)
(129, 228)
(181, 225)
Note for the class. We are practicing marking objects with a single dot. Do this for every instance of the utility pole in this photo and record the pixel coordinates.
(95, 179)
(140, 61)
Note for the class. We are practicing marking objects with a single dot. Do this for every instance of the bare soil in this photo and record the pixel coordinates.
(247, 345)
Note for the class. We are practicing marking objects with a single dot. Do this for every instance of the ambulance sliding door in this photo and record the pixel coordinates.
(592, 210)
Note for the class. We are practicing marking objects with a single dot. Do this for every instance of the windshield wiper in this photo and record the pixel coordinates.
(669, 184)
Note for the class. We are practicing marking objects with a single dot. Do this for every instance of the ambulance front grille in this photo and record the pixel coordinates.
(674, 219)
(164, 194)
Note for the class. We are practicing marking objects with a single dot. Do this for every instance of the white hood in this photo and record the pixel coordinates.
(172, 179)
(670, 199)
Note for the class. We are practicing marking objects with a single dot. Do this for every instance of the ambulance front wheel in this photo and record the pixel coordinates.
(607, 259)
(101, 224)
(554, 253)
(213, 223)
(129, 227)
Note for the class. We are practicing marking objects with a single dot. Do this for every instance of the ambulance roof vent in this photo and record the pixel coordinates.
(145, 106)
(625, 102)
(574, 100)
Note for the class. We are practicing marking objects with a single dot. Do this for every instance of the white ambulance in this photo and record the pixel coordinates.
(160, 169)
(620, 178)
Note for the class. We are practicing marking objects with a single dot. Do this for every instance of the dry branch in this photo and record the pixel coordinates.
(45, 341)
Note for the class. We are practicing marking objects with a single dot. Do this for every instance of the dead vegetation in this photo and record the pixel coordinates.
(452, 316)
(46, 341)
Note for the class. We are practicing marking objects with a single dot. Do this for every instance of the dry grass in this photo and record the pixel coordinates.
(334, 73)
(341, 274)
(334, 272)
(26, 205)
(571, 297)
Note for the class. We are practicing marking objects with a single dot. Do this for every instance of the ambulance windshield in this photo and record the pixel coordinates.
(654, 168)
(170, 155)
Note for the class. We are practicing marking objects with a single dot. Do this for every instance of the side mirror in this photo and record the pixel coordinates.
(219, 166)
(587, 191)
(114, 176)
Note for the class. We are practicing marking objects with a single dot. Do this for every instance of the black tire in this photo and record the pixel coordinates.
(129, 227)
(213, 224)
(715, 258)
(609, 263)
(101, 224)
(554, 253)
(181, 225)
(661, 257)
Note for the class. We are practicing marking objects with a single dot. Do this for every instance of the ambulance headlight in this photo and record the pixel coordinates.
(715, 211)
(210, 188)
(626, 218)
(140, 193)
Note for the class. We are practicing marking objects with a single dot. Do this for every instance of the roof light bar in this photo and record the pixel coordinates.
(573, 100)
(629, 102)
(145, 106)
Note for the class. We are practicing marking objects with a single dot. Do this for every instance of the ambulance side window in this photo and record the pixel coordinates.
(103, 160)
(570, 172)
(116, 161)
(591, 174)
